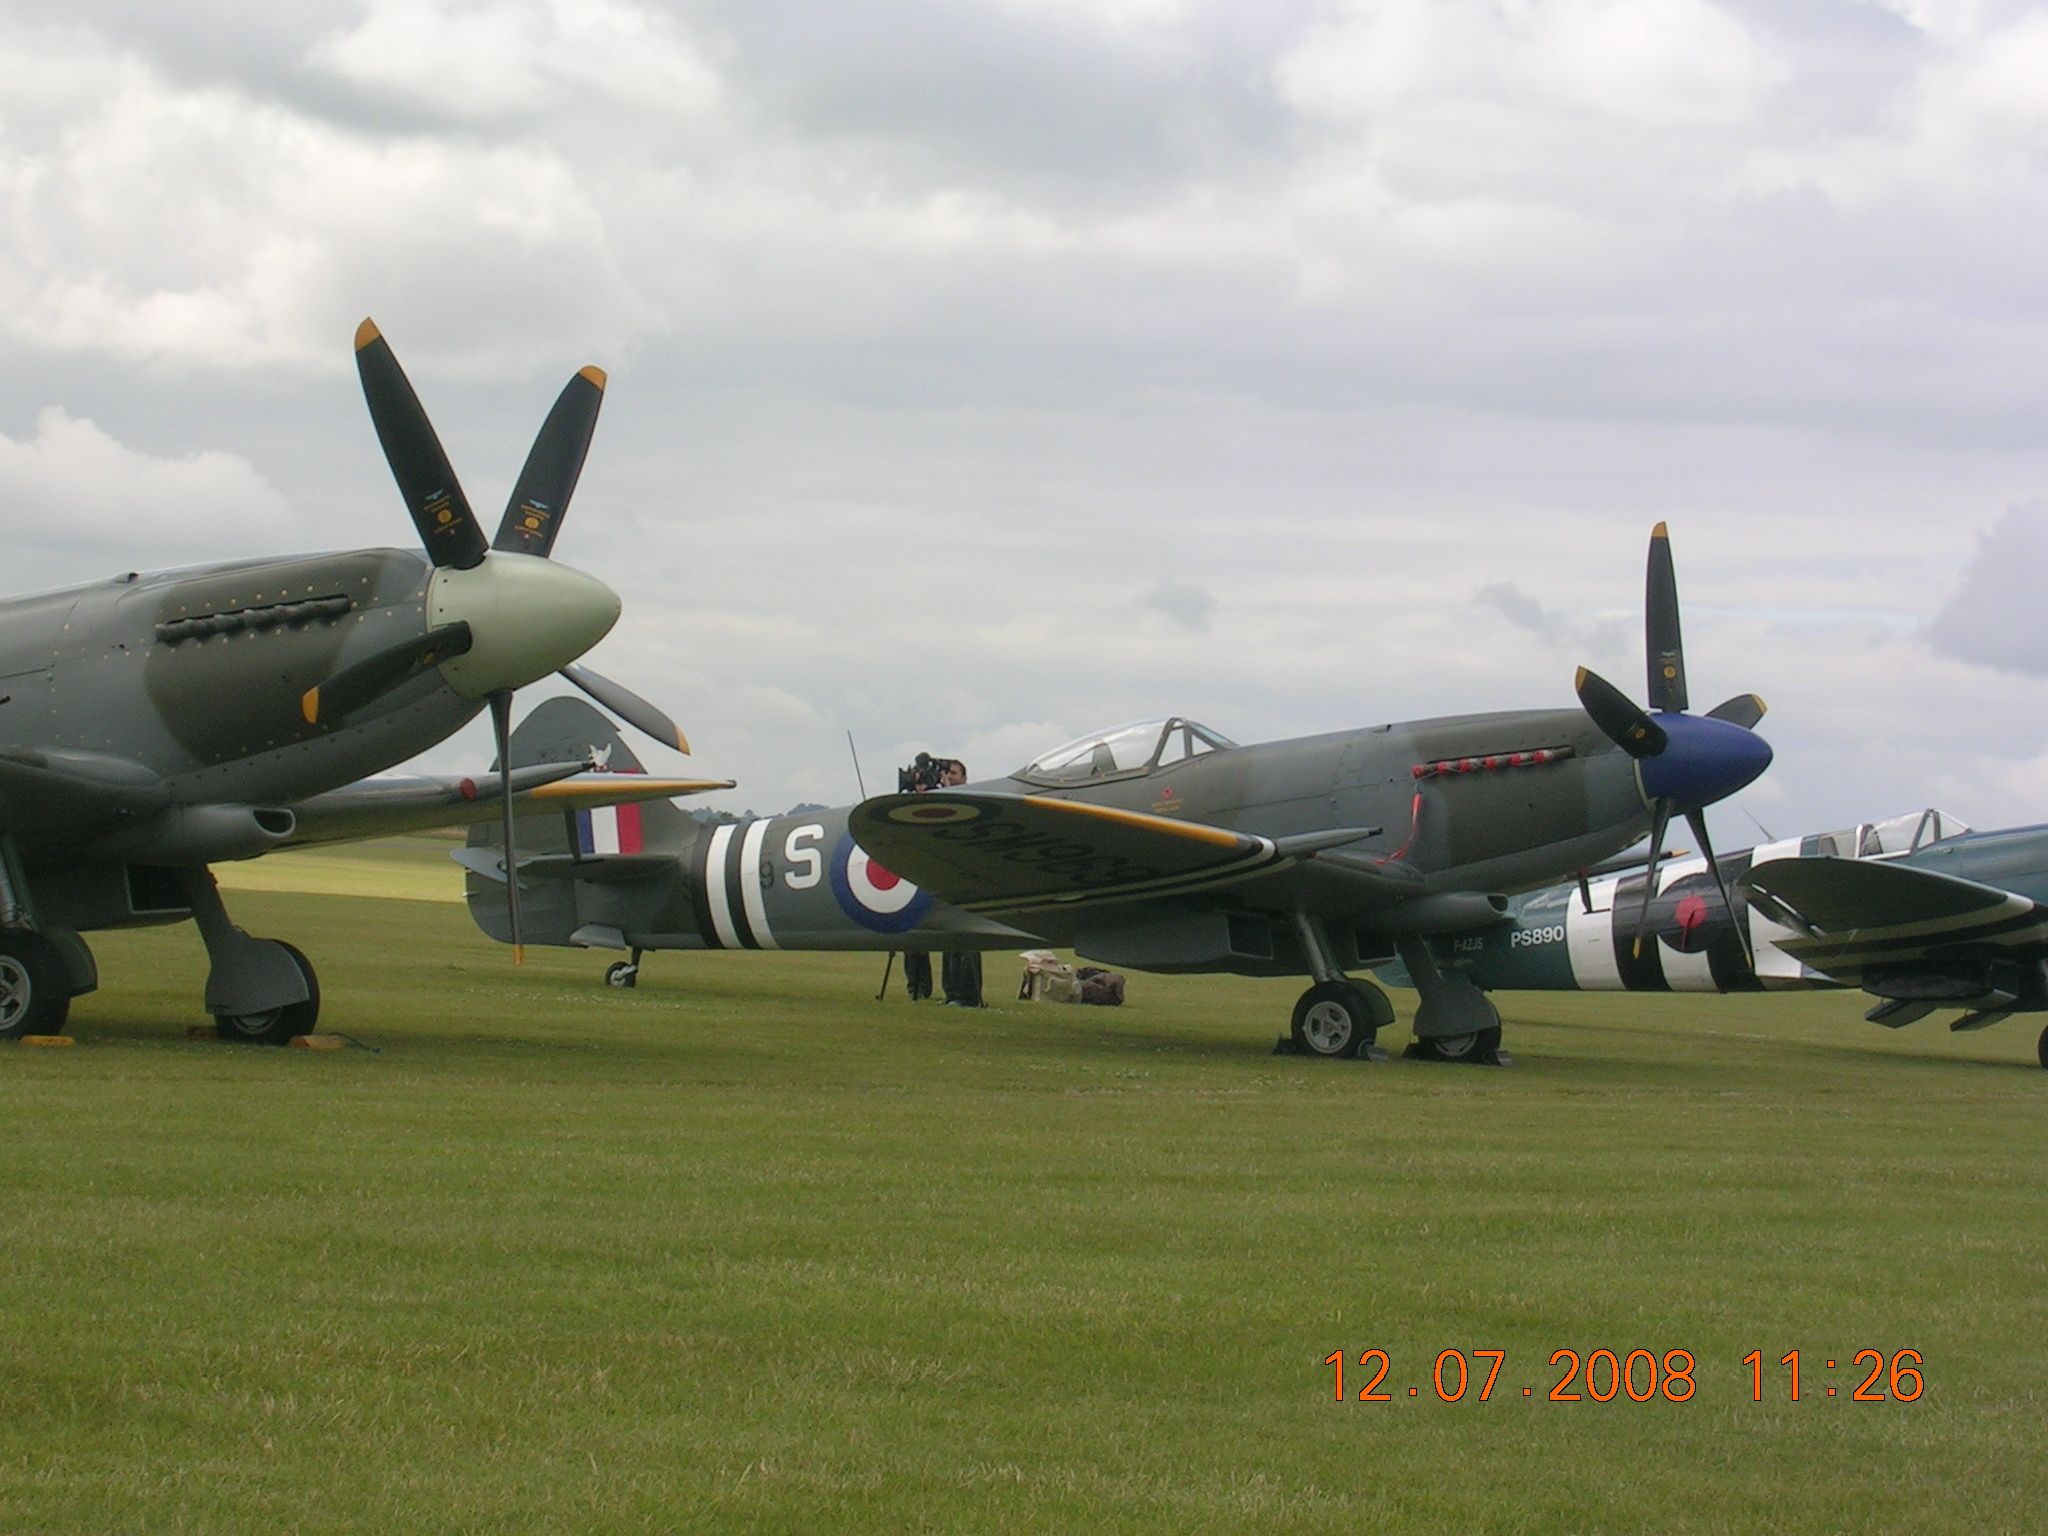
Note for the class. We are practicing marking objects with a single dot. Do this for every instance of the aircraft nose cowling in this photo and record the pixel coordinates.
(1704, 760)
(528, 616)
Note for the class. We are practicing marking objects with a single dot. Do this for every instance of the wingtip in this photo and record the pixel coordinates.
(592, 374)
(366, 333)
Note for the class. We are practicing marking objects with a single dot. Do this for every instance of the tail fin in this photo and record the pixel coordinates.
(564, 730)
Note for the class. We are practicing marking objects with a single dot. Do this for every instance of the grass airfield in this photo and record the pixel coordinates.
(745, 1249)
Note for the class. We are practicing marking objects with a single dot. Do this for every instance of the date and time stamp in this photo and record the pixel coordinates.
(1634, 1375)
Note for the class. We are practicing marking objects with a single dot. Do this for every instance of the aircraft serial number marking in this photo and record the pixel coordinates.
(1525, 938)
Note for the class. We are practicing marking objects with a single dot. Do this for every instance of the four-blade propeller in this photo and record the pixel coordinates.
(1684, 763)
(500, 614)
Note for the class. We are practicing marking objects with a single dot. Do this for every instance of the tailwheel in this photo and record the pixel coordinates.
(1479, 1045)
(276, 1026)
(34, 994)
(622, 973)
(1334, 1020)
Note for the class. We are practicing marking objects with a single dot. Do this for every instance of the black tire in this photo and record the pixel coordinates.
(1333, 1020)
(2041, 1049)
(622, 973)
(1481, 1045)
(35, 994)
(276, 1026)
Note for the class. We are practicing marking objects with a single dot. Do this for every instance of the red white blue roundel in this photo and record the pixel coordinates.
(877, 898)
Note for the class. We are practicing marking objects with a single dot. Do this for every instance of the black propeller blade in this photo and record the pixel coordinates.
(1745, 709)
(501, 728)
(1697, 820)
(447, 526)
(1662, 642)
(1660, 818)
(1627, 726)
(374, 676)
(629, 706)
(540, 499)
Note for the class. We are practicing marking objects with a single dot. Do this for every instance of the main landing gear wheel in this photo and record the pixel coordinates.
(34, 993)
(1481, 1045)
(2041, 1049)
(622, 973)
(276, 1026)
(1333, 1020)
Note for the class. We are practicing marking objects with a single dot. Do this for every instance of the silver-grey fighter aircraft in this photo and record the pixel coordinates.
(154, 724)
(1165, 846)
(1918, 910)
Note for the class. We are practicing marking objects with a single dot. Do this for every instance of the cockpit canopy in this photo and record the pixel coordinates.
(1891, 837)
(1125, 749)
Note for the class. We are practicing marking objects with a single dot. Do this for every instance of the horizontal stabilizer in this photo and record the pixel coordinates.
(388, 806)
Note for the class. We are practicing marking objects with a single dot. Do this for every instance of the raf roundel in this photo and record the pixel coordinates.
(875, 897)
(935, 813)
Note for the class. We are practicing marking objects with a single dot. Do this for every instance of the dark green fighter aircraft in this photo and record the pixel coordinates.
(1164, 846)
(1919, 911)
(152, 725)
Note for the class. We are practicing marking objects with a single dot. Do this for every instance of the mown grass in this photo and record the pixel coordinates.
(744, 1249)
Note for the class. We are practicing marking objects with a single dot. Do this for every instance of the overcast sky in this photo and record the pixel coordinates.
(983, 371)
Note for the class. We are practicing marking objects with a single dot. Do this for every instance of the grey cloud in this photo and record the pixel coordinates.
(1996, 616)
(1187, 604)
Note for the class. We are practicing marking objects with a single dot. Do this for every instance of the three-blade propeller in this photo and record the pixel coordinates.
(501, 614)
(1684, 762)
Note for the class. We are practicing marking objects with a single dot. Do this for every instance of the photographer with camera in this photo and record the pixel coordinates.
(960, 973)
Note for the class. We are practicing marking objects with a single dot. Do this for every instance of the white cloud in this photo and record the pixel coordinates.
(73, 488)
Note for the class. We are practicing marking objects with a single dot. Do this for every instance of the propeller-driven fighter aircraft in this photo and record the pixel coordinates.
(1164, 846)
(1919, 911)
(154, 724)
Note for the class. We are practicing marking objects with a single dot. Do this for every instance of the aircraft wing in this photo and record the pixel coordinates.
(70, 793)
(383, 807)
(997, 852)
(1847, 914)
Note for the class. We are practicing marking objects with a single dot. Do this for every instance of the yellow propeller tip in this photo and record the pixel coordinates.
(1762, 708)
(1579, 681)
(309, 705)
(519, 954)
(593, 373)
(1661, 531)
(682, 743)
(366, 333)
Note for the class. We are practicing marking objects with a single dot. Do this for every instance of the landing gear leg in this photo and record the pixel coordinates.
(624, 973)
(1455, 1021)
(260, 991)
(1337, 1017)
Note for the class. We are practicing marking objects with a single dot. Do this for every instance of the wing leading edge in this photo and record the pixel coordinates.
(994, 852)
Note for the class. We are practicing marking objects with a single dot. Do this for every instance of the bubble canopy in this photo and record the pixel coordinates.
(1125, 749)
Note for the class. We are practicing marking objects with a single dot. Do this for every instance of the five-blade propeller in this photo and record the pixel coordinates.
(1684, 763)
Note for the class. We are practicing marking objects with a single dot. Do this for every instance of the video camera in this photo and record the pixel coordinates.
(926, 773)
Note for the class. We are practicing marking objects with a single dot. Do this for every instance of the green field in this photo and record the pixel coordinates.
(746, 1250)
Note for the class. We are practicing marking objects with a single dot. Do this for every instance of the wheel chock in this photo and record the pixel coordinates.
(318, 1043)
(202, 1032)
(47, 1040)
